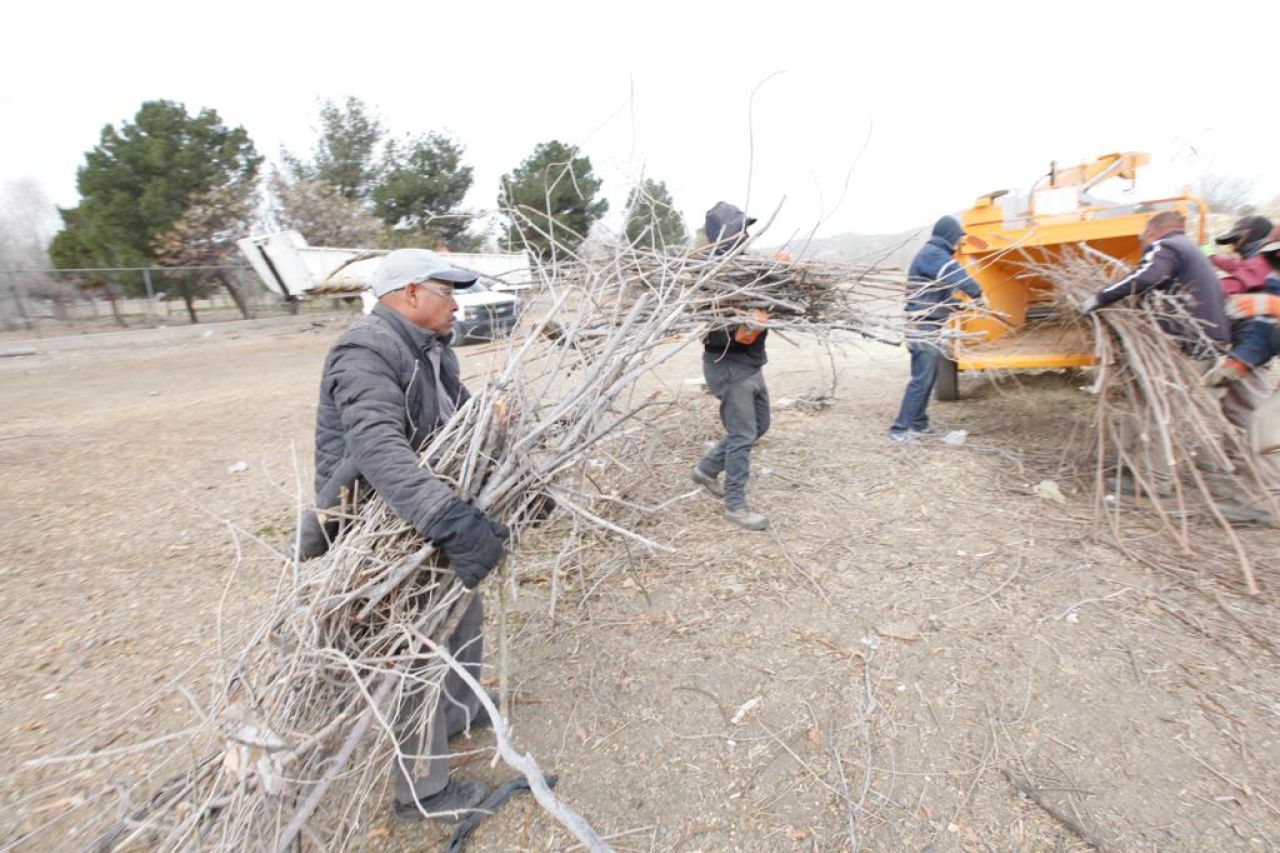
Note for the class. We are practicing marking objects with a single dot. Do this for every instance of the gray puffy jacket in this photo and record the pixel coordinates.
(378, 406)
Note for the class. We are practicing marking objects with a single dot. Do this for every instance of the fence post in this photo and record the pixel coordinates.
(151, 296)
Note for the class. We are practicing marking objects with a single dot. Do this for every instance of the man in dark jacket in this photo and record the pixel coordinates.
(389, 382)
(732, 362)
(932, 282)
(1174, 265)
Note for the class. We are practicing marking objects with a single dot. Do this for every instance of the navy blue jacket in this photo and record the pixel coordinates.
(935, 275)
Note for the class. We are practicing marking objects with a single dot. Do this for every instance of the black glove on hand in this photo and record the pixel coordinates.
(471, 541)
(314, 536)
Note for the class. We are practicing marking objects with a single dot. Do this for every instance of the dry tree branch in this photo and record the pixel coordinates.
(1163, 430)
(525, 763)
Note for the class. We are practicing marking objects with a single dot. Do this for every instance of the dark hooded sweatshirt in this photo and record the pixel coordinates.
(726, 228)
(935, 275)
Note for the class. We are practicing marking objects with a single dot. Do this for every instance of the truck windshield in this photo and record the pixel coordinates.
(477, 287)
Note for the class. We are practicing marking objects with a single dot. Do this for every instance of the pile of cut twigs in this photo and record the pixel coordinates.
(1161, 434)
(295, 738)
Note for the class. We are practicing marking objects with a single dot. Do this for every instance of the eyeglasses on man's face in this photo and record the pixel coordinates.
(442, 290)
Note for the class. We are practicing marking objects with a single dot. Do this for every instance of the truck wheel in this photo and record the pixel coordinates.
(947, 388)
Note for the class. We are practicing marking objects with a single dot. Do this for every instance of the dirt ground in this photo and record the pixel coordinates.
(919, 634)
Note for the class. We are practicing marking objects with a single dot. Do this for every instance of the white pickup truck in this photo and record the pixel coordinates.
(295, 270)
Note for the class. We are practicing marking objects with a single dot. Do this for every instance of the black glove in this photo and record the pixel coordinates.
(471, 541)
(318, 532)
(314, 536)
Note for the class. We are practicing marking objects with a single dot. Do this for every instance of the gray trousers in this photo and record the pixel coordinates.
(744, 411)
(456, 705)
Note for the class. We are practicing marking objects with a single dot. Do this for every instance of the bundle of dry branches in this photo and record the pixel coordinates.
(1160, 432)
(296, 735)
(860, 296)
(853, 297)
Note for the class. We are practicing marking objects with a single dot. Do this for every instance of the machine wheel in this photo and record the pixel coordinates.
(947, 388)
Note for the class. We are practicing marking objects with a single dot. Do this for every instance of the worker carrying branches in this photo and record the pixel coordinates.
(389, 383)
(1172, 264)
(733, 362)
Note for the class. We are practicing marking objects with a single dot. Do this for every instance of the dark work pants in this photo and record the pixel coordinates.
(915, 401)
(457, 704)
(744, 411)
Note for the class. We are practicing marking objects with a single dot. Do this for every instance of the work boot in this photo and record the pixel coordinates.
(746, 519)
(924, 430)
(450, 804)
(901, 437)
(711, 484)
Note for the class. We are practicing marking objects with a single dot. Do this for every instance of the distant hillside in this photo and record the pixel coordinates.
(890, 250)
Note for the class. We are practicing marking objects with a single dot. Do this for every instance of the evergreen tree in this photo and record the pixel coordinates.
(551, 199)
(651, 219)
(140, 178)
(419, 195)
(345, 155)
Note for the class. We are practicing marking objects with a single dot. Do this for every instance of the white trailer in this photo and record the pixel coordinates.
(295, 270)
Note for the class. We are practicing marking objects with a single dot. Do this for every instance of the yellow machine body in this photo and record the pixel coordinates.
(1004, 241)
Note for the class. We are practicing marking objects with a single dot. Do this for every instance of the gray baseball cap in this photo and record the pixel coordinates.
(414, 266)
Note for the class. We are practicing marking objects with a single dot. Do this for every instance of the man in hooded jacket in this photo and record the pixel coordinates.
(389, 383)
(733, 359)
(933, 280)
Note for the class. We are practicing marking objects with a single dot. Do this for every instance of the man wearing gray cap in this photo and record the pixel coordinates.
(389, 382)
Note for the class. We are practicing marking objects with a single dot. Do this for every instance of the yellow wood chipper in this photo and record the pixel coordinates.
(1008, 235)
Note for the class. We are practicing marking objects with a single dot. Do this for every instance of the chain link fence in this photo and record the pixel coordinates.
(46, 303)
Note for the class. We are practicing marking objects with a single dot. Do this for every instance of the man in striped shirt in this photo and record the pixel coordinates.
(1173, 265)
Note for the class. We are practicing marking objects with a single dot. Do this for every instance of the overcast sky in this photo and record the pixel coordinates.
(866, 117)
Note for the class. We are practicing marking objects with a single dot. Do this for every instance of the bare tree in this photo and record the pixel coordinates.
(205, 236)
(321, 213)
(28, 220)
(1226, 193)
